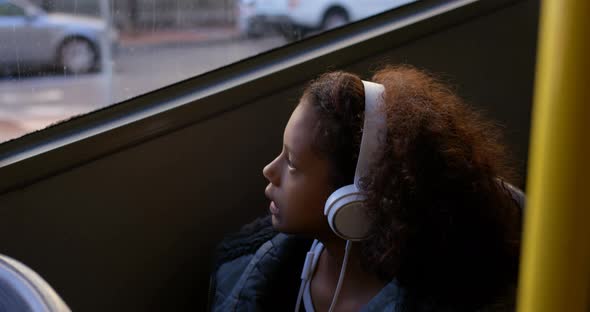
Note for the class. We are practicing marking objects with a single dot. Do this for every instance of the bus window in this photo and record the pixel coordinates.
(60, 59)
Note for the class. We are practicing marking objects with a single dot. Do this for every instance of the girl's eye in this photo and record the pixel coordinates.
(289, 163)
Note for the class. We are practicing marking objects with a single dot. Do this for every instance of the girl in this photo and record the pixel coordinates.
(442, 226)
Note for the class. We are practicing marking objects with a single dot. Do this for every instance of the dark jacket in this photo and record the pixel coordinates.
(265, 264)
(258, 269)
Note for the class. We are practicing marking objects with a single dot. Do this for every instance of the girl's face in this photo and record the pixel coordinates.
(298, 178)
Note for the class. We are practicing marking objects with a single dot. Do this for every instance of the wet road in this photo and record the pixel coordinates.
(32, 103)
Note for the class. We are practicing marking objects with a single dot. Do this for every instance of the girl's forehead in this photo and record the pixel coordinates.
(299, 132)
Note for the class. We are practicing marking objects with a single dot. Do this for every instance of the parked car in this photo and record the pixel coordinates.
(32, 37)
(296, 18)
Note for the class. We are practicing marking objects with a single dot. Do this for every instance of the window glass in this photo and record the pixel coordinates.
(63, 58)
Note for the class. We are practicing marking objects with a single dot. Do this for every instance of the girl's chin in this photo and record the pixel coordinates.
(276, 222)
(279, 224)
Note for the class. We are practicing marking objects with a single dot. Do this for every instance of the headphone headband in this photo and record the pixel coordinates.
(373, 129)
(344, 208)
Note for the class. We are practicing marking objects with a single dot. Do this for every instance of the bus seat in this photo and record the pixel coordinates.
(23, 290)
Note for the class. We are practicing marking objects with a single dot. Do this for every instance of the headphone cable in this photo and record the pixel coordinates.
(341, 278)
(305, 275)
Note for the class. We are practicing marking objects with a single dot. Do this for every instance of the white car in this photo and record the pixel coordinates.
(295, 18)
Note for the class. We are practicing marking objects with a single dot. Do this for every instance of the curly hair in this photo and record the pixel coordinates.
(442, 226)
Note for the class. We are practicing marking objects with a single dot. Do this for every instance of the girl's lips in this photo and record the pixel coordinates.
(273, 208)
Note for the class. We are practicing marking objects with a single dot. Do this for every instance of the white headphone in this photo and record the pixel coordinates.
(345, 207)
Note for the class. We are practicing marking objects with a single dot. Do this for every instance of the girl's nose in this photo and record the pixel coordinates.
(269, 172)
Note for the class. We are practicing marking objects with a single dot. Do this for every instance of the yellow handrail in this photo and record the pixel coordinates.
(555, 264)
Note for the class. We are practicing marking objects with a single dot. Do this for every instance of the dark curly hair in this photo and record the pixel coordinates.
(442, 225)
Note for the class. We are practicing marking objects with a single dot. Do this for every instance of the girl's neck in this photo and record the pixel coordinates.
(333, 256)
(359, 285)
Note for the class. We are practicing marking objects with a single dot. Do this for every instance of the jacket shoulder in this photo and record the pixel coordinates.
(246, 241)
(257, 269)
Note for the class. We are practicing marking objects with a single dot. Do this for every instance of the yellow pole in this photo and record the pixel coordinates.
(555, 264)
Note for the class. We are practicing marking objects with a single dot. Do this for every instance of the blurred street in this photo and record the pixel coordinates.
(145, 62)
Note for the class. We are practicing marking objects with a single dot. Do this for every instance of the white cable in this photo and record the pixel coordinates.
(300, 296)
(341, 278)
(306, 272)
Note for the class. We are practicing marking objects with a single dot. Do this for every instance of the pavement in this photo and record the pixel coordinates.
(175, 37)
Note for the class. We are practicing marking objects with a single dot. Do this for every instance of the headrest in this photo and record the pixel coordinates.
(515, 194)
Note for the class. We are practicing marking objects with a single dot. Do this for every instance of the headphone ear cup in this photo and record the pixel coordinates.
(346, 213)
